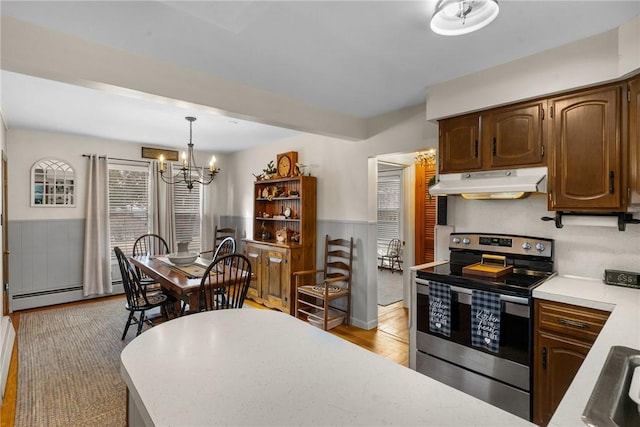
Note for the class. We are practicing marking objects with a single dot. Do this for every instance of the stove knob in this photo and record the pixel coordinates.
(456, 240)
(466, 241)
(526, 246)
(540, 247)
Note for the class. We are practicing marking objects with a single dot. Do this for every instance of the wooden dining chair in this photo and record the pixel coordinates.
(139, 300)
(226, 247)
(220, 235)
(149, 244)
(392, 259)
(225, 283)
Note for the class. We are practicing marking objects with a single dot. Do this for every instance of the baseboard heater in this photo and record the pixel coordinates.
(49, 292)
(7, 338)
(27, 300)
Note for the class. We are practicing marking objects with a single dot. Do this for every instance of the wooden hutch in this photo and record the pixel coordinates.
(284, 238)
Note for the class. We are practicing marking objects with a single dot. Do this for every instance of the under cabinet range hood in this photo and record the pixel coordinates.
(499, 184)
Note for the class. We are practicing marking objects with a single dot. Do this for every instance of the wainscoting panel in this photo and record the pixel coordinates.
(45, 262)
(364, 309)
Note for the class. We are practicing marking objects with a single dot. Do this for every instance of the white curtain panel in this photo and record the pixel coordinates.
(96, 273)
(162, 218)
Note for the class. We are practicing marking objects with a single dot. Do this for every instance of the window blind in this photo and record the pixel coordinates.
(187, 208)
(389, 207)
(128, 205)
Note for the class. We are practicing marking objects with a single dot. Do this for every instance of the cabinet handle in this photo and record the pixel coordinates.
(476, 149)
(573, 323)
(494, 146)
(544, 357)
(611, 183)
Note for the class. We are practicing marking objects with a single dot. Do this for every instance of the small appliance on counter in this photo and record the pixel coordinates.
(622, 278)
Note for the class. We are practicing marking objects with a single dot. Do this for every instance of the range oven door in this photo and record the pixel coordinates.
(502, 378)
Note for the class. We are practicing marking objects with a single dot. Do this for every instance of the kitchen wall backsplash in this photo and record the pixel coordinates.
(579, 250)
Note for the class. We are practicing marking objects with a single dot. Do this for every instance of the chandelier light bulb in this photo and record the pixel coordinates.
(190, 173)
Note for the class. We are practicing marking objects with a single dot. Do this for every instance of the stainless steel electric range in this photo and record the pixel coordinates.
(487, 287)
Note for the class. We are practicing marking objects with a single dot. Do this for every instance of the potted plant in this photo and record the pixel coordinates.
(270, 170)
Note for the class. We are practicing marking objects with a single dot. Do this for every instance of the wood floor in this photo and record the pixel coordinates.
(390, 339)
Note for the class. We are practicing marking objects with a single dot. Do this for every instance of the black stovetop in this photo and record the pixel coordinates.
(520, 282)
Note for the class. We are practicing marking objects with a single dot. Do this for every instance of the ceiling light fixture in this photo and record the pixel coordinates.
(190, 173)
(455, 17)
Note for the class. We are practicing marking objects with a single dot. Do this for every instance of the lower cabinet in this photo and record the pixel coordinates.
(564, 335)
(272, 266)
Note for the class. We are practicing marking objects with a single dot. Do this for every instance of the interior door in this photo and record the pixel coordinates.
(425, 214)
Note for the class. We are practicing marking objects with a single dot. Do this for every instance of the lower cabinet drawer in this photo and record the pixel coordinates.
(570, 320)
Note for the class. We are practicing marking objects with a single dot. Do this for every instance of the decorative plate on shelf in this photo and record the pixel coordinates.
(287, 213)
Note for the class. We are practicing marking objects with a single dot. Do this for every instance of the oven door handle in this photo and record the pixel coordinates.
(505, 298)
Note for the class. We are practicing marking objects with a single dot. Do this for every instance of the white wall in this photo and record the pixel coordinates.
(596, 59)
(25, 147)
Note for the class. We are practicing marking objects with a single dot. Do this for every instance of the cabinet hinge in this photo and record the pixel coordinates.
(542, 112)
(551, 112)
(544, 357)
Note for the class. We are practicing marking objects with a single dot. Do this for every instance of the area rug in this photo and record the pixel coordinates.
(69, 366)
(389, 287)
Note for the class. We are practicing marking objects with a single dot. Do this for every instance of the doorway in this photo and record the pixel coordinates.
(417, 214)
(390, 242)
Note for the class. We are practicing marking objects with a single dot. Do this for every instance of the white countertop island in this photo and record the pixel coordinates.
(622, 328)
(262, 367)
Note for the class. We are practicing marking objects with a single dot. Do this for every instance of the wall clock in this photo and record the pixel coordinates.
(286, 163)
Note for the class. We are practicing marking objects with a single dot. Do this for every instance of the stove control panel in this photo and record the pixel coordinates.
(502, 243)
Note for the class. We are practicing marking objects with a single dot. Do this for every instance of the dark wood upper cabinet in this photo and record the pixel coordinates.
(513, 136)
(634, 140)
(460, 144)
(500, 138)
(586, 151)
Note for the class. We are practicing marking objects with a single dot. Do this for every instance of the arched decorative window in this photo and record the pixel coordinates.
(52, 183)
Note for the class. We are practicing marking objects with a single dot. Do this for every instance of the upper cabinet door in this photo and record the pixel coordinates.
(459, 143)
(586, 144)
(513, 136)
(634, 140)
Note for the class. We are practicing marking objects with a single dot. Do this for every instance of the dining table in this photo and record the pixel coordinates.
(183, 282)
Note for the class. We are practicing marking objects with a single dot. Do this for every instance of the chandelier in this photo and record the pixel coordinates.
(190, 173)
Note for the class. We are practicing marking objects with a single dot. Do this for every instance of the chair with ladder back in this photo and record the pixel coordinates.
(316, 290)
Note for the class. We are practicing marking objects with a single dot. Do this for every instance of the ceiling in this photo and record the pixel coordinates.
(354, 58)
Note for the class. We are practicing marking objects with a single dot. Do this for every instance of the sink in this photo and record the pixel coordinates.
(610, 404)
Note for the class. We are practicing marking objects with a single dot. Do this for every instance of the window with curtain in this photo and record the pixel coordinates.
(129, 209)
(187, 208)
(128, 206)
(389, 207)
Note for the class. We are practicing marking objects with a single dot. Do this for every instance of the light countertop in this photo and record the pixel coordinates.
(265, 367)
(262, 367)
(622, 328)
